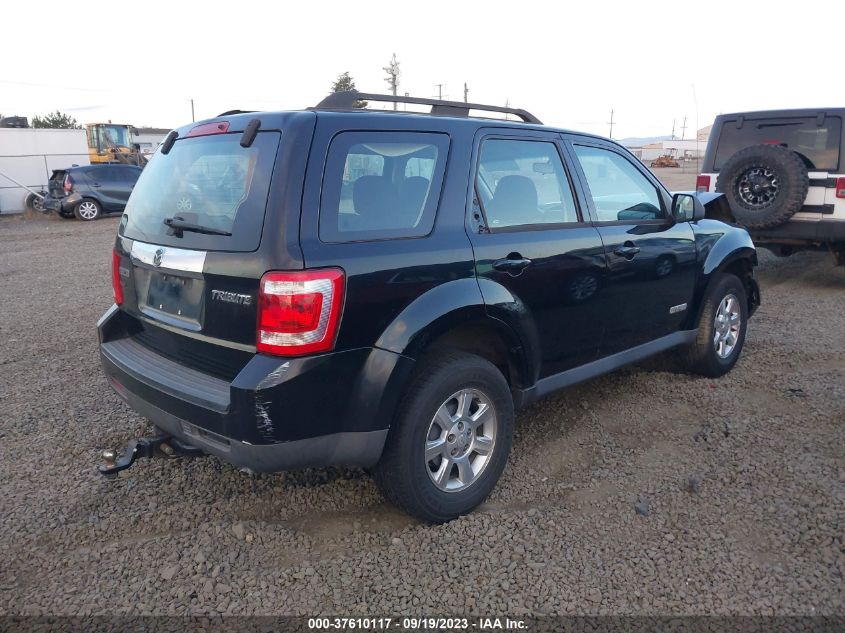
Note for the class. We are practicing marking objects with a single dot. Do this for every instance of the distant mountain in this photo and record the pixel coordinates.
(639, 141)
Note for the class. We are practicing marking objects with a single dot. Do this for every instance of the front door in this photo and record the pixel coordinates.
(651, 259)
(539, 265)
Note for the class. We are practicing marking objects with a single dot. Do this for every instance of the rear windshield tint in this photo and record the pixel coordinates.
(817, 144)
(209, 181)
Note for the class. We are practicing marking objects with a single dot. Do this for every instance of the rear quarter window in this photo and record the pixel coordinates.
(818, 145)
(381, 185)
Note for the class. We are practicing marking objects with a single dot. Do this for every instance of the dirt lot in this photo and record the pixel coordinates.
(643, 492)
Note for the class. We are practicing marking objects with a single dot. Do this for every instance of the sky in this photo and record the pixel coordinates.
(569, 63)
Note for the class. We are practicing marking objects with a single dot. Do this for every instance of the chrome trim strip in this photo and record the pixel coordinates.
(170, 258)
(200, 337)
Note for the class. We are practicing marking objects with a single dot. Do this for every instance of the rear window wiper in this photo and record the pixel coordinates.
(178, 225)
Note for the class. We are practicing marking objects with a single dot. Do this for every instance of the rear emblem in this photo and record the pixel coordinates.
(231, 297)
(157, 257)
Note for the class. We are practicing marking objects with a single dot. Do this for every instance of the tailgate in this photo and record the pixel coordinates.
(56, 184)
(188, 267)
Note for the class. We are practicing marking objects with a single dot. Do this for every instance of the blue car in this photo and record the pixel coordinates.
(88, 192)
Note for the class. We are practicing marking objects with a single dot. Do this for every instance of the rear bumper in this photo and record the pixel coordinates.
(808, 231)
(277, 414)
(61, 205)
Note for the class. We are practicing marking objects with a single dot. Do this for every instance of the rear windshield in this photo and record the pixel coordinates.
(818, 144)
(209, 181)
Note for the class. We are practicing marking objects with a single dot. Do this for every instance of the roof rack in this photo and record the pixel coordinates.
(346, 101)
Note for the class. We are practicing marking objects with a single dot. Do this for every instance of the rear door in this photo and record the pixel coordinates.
(651, 259)
(106, 182)
(530, 237)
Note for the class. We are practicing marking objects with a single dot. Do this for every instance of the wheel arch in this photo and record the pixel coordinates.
(733, 253)
(454, 316)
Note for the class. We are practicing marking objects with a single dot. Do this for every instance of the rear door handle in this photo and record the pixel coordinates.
(512, 266)
(628, 250)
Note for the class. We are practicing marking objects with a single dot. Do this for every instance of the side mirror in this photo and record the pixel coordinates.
(686, 207)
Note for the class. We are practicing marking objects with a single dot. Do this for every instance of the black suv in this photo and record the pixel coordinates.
(88, 192)
(383, 289)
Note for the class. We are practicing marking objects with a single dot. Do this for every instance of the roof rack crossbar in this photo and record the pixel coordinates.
(346, 101)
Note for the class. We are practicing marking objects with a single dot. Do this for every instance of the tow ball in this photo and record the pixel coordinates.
(158, 446)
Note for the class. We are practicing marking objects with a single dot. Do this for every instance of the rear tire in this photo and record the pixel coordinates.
(88, 210)
(34, 203)
(450, 439)
(721, 329)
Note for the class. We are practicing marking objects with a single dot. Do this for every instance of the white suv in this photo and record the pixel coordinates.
(783, 175)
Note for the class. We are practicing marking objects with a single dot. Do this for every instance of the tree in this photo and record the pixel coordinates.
(344, 83)
(56, 120)
(392, 79)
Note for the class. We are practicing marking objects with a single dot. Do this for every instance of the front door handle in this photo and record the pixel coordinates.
(512, 265)
(628, 250)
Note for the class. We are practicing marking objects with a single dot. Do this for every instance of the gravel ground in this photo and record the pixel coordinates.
(643, 492)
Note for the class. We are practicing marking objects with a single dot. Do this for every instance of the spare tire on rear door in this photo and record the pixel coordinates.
(764, 184)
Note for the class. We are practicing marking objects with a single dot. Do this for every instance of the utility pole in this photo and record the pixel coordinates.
(466, 92)
(439, 91)
(684, 129)
(507, 105)
(610, 135)
(673, 129)
(193, 118)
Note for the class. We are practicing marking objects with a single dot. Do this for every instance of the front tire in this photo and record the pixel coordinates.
(721, 329)
(88, 210)
(450, 439)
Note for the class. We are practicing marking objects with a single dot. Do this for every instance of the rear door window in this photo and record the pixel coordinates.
(209, 181)
(817, 144)
(381, 185)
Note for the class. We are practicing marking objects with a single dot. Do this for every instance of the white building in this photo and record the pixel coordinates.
(687, 149)
(29, 156)
(148, 138)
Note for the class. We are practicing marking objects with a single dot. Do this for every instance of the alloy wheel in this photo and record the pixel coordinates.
(758, 187)
(726, 326)
(87, 210)
(460, 440)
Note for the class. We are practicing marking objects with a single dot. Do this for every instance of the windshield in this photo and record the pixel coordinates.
(112, 135)
(208, 181)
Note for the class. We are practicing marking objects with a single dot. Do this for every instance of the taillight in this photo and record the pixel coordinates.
(840, 187)
(115, 278)
(68, 186)
(299, 312)
(702, 183)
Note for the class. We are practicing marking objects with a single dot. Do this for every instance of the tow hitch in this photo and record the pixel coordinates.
(158, 446)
